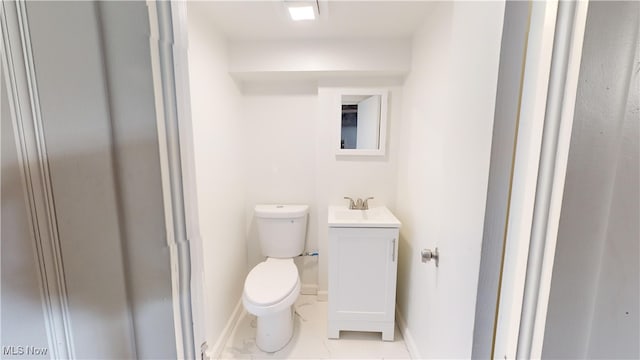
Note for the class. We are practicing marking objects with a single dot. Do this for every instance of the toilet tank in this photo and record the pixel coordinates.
(282, 229)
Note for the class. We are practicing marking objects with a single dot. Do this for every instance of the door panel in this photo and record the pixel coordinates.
(363, 267)
(23, 321)
(125, 28)
(363, 261)
(84, 86)
(75, 115)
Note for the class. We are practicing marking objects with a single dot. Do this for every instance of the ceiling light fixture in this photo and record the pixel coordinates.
(302, 10)
(302, 13)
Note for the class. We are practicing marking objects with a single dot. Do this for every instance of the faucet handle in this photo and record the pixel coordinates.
(352, 205)
(365, 203)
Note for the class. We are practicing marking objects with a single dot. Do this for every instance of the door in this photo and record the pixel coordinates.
(449, 102)
(86, 143)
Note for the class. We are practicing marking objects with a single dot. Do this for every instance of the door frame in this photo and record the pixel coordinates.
(538, 174)
(168, 40)
(550, 84)
(546, 116)
(550, 76)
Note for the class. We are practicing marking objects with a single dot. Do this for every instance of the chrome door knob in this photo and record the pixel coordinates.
(428, 255)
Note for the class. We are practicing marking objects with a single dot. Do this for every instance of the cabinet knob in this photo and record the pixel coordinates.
(428, 255)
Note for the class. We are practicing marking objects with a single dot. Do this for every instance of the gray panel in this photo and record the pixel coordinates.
(72, 90)
(617, 309)
(96, 90)
(23, 322)
(605, 72)
(125, 32)
(512, 54)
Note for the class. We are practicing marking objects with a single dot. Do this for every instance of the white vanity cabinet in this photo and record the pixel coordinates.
(363, 263)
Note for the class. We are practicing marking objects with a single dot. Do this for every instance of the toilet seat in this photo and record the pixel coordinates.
(271, 286)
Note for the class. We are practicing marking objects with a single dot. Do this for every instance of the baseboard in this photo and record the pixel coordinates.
(408, 338)
(216, 350)
(323, 295)
(309, 289)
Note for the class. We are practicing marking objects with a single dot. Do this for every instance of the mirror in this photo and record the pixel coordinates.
(362, 122)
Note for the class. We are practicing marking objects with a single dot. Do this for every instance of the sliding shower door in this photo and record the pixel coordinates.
(85, 263)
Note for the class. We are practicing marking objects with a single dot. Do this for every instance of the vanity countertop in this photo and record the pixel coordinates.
(374, 217)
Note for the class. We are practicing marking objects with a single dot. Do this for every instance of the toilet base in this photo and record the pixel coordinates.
(274, 331)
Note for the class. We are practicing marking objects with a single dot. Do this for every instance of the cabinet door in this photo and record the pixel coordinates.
(362, 273)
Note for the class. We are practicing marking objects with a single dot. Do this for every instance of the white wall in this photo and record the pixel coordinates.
(291, 159)
(595, 273)
(280, 137)
(219, 144)
(324, 55)
(351, 176)
(448, 107)
(272, 142)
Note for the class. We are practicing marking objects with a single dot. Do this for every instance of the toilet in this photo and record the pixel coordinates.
(272, 286)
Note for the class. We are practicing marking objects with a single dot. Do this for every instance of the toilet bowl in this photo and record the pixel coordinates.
(270, 290)
(273, 285)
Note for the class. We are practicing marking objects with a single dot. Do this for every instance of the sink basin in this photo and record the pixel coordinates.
(379, 217)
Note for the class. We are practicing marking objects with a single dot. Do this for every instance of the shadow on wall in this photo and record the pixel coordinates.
(405, 252)
(100, 270)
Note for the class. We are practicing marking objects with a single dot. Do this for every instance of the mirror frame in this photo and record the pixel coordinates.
(384, 98)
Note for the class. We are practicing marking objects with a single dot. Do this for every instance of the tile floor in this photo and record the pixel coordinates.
(310, 339)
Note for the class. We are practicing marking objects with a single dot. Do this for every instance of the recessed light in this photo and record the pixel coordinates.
(302, 12)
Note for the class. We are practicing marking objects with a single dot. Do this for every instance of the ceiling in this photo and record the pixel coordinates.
(269, 20)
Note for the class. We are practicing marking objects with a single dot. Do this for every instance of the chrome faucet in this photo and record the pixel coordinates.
(358, 204)
(352, 205)
(365, 203)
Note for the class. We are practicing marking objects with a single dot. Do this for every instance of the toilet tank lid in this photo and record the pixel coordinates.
(278, 211)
